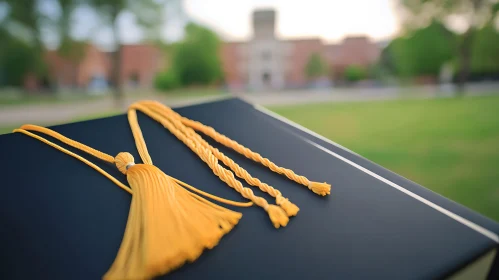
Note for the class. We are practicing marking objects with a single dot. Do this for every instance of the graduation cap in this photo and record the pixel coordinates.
(168, 225)
(61, 221)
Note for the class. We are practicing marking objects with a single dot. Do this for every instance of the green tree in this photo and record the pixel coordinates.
(148, 14)
(17, 59)
(165, 81)
(68, 47)
(315, 66)
(386, 59)
(485, 51)
(354, 73)
(474, 13)
(423, 51)
(196, 60)
(22, 27)
(401, 57)
(24, 19)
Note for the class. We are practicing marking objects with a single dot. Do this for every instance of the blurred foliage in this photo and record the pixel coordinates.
(423, 51)
(21, 43)
(316, 66)
(25, 20)
(167, 80)
(68, 47)
(148, 15)
(473, 14)
(354, 73)
(485, 50)
(17, 59)
(22, 27)
(398, 57)
(380, 73)
(196, 59)
(72, 50)
(386, 58)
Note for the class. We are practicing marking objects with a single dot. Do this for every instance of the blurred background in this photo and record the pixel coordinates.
(410, 84)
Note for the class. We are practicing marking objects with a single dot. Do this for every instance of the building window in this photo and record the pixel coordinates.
(266, 78)
(133, 80)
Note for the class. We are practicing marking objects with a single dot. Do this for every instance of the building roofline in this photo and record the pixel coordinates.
(304, 39)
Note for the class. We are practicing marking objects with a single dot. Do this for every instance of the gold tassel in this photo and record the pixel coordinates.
(167, 225)
(277, 215)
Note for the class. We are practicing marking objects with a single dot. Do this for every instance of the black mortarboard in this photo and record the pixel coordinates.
(62, 220)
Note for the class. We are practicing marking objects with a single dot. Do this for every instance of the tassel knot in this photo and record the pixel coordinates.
(124, 161)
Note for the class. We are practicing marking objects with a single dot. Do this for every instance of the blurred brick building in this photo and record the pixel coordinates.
(139, 64)
(352, 51)
(267, 61)
(263, 62)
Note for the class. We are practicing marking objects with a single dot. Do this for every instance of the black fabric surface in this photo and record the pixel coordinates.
(60, 219)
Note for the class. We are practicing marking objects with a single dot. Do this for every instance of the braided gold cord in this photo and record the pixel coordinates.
(277, 215)
(205, 154)
(240, 172)
(318, 188)
(224, 140)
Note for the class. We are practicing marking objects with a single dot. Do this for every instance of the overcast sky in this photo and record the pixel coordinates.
(330, 20)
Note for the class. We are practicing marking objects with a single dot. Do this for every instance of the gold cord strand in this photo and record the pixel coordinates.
(108, 158)
(107, 175)
(276, 214)
(290, 208)
(317, 187)
(70, 142)
(140, 143)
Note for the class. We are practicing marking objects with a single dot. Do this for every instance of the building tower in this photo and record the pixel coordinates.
(265, 58)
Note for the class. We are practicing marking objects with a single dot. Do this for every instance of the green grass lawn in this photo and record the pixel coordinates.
(18, 98)
(5, 130)
(450, 146)
(8, 129)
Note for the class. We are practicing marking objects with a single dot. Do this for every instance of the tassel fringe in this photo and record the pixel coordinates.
(167, 225)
